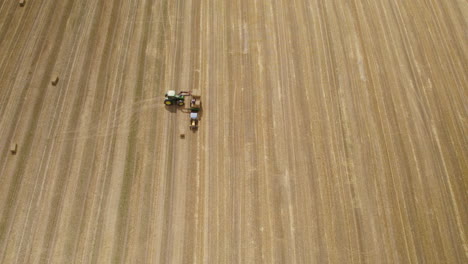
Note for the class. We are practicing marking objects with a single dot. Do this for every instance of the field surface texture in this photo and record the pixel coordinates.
(332, 131)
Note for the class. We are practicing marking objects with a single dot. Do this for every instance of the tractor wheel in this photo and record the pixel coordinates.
(167, 102)
(180, 103)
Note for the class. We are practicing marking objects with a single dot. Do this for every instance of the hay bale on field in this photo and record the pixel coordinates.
(22, 2)
(13, 148)
(55, 80)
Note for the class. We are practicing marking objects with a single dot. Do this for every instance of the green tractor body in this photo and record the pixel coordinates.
(174, 99)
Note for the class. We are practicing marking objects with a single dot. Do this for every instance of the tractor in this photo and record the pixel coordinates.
(174, 99)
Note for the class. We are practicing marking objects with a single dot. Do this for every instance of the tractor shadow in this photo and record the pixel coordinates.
(171, 108)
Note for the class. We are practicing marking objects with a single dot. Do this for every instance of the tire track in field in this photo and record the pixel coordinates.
(306, 157)
(97, 243)
(387, 114)
(10, 49)
(249, 97)
(44, 168)
(170, 158)
(120, 249)
(156, 70)
(26, 20)
(324, 144)
(285, 186)
(192, 171)
(71, 147)
(10, 14)
(74, 224)
(18, 110)
(90, 236)
(274, 80)
(51, 167)
(350, 124)
(17, 49)
(37, 108)
(264, 123)
(3, 5)
(156, 135)
(337, 152)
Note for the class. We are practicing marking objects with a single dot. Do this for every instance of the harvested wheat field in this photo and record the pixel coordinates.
(332, 131)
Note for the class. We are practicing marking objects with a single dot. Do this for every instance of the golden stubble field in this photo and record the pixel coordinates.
(333, 131)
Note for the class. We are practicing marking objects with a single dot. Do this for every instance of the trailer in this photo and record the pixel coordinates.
(194, 121)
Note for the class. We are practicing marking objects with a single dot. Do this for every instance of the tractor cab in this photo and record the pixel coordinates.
(174, 99)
